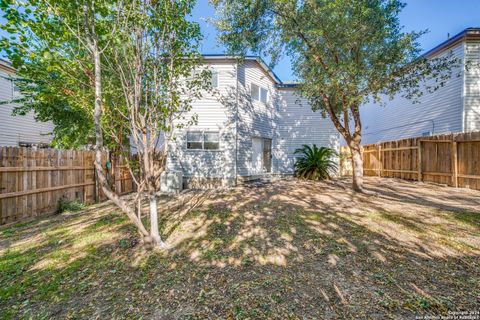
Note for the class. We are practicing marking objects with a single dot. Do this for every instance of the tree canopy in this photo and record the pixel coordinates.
(344, 53)
(118, 75)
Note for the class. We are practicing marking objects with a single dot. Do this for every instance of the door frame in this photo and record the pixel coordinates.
(263, 170)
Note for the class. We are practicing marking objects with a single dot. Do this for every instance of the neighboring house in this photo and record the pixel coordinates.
(248, 127)
(452, 108)
(18, 130)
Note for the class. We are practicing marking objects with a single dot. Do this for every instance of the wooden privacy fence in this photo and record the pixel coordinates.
(33, 182)
(452, 159)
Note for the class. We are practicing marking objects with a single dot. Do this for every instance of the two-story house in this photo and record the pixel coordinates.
(452, 108)
(18, 130)
(250, 126)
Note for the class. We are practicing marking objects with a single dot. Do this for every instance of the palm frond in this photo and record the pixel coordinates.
(315, 163)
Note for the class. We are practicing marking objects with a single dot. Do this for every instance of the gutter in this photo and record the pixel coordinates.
(236, 122)
(467, 34)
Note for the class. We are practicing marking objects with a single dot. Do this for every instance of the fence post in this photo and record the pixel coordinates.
(419, 160)
(455, 164)
(96, 194)
(379, 160)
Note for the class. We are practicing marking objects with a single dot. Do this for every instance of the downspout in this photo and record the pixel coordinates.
(236, 124)
(464, 82)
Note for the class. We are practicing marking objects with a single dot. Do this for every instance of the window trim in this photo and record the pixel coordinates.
(210, 82)
(203, 133)
(259, 93)
(266, 95)
(16, 93)
(214, 74)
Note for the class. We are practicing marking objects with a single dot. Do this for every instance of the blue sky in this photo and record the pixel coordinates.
(440, 17)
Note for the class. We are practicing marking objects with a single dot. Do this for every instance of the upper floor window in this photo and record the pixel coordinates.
(214, 79)
(263, 95)
(15, 90)
(202, 75)
(259, 93)
(199, 140)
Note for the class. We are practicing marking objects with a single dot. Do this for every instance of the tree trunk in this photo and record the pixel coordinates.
(97, 116)
(357, 166)
(154, 233)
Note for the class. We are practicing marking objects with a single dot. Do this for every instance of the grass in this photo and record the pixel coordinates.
(287, 250)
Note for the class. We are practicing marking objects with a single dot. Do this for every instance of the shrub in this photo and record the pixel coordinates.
(315, 163)
(70, 206)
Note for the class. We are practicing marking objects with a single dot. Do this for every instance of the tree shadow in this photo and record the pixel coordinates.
(286, 248)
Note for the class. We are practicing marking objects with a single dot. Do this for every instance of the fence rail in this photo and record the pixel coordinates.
(32, 182)
(452, 159)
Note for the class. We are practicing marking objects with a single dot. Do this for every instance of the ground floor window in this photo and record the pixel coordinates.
(203, 140)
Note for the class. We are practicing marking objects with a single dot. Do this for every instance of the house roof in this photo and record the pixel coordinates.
(6, 64)
(472, 33)
(466, 34)
(258, 59)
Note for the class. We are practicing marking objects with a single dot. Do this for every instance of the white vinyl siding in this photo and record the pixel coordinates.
(272, 115)
(299, 125)
(16, 129)
(256, 119)
(215, 114)
(437, 112)
(472, 87)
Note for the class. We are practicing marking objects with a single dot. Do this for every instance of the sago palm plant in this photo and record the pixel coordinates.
(315, 163)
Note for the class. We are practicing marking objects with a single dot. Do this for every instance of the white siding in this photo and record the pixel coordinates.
(437, 112)
(256, 119)
(14, 129)
(215, 112)
(299, 125)
(472, 87)
(281, 119)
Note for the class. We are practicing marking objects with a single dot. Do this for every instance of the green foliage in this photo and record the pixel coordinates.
(70, 206)
(315, 163)
(344, 52)
(53, 69)
(45, 40)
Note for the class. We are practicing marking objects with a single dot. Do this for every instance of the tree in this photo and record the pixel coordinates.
(127, 67)
(52, 71)
(154, 60)
(344, 53)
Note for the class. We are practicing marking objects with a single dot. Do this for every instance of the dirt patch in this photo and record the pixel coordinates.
(285, 249)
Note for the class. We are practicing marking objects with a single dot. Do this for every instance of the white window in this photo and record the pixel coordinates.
(259, 93)
(200, 75)
(194, 140)
(198, 140)
(214, 79)
(15, 89)
(255, 92)
(263, 95)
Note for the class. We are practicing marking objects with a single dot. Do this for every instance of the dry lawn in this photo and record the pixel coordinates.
(279, 250)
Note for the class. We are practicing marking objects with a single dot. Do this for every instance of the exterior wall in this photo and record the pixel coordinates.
(256, 119)
(287, 123)
(15, 129)
(298, 125)
(215, 112)
(436, 113)
(471, 115)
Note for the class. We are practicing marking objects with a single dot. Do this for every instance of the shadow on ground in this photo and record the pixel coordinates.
(286, 249)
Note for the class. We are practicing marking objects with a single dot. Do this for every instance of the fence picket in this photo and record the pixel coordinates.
(452, 159)
(33, 181)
